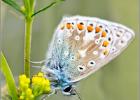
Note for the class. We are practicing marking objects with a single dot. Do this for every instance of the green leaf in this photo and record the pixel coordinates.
(14, 5)
(45, 8)
(9, 77)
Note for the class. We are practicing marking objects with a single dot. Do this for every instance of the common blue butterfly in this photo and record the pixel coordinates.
(80, 46)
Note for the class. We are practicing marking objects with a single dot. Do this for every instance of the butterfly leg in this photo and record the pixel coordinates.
(38, 62)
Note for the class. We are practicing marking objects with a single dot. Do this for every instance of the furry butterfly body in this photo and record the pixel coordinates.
(80, 46)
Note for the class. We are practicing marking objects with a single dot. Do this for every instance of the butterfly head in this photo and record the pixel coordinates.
(68, 90)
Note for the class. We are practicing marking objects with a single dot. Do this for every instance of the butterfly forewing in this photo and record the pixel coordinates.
(82, 45)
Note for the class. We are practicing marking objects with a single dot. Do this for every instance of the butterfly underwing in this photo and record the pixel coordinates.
(82, 45)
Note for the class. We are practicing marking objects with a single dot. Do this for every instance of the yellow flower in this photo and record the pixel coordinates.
(24, 82)
(23, 78)
(40, 84)
(27, 95)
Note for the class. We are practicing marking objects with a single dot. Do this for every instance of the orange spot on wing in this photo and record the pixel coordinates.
(97, 29)
(69, 25)
(105, 43)
(80, 26)
(104, 34)
(90, 28)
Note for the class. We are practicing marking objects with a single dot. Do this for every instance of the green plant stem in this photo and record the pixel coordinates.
(27, 45)
(29, 7)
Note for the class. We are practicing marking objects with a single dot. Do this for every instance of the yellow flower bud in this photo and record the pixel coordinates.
(47, 82)
(47, 89)
(40, 74)
(29, 92)
(27, 80)
(22, 77)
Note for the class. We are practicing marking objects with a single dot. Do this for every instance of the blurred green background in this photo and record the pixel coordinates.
(118, 80)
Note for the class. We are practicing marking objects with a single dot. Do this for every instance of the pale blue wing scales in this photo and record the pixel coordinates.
(78, 50)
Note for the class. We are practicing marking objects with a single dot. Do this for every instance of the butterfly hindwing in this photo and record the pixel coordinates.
(82, 45)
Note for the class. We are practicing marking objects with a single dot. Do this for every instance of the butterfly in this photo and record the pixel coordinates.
(80, 46)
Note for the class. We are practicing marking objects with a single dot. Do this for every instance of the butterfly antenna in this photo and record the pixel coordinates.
(77, 95)
(44, 97)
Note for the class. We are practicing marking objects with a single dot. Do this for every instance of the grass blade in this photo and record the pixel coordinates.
(9, 77)
(14, 5)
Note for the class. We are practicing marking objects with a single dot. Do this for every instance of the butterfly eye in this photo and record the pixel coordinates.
(67, 89)
(81, 68)
(91, 63)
